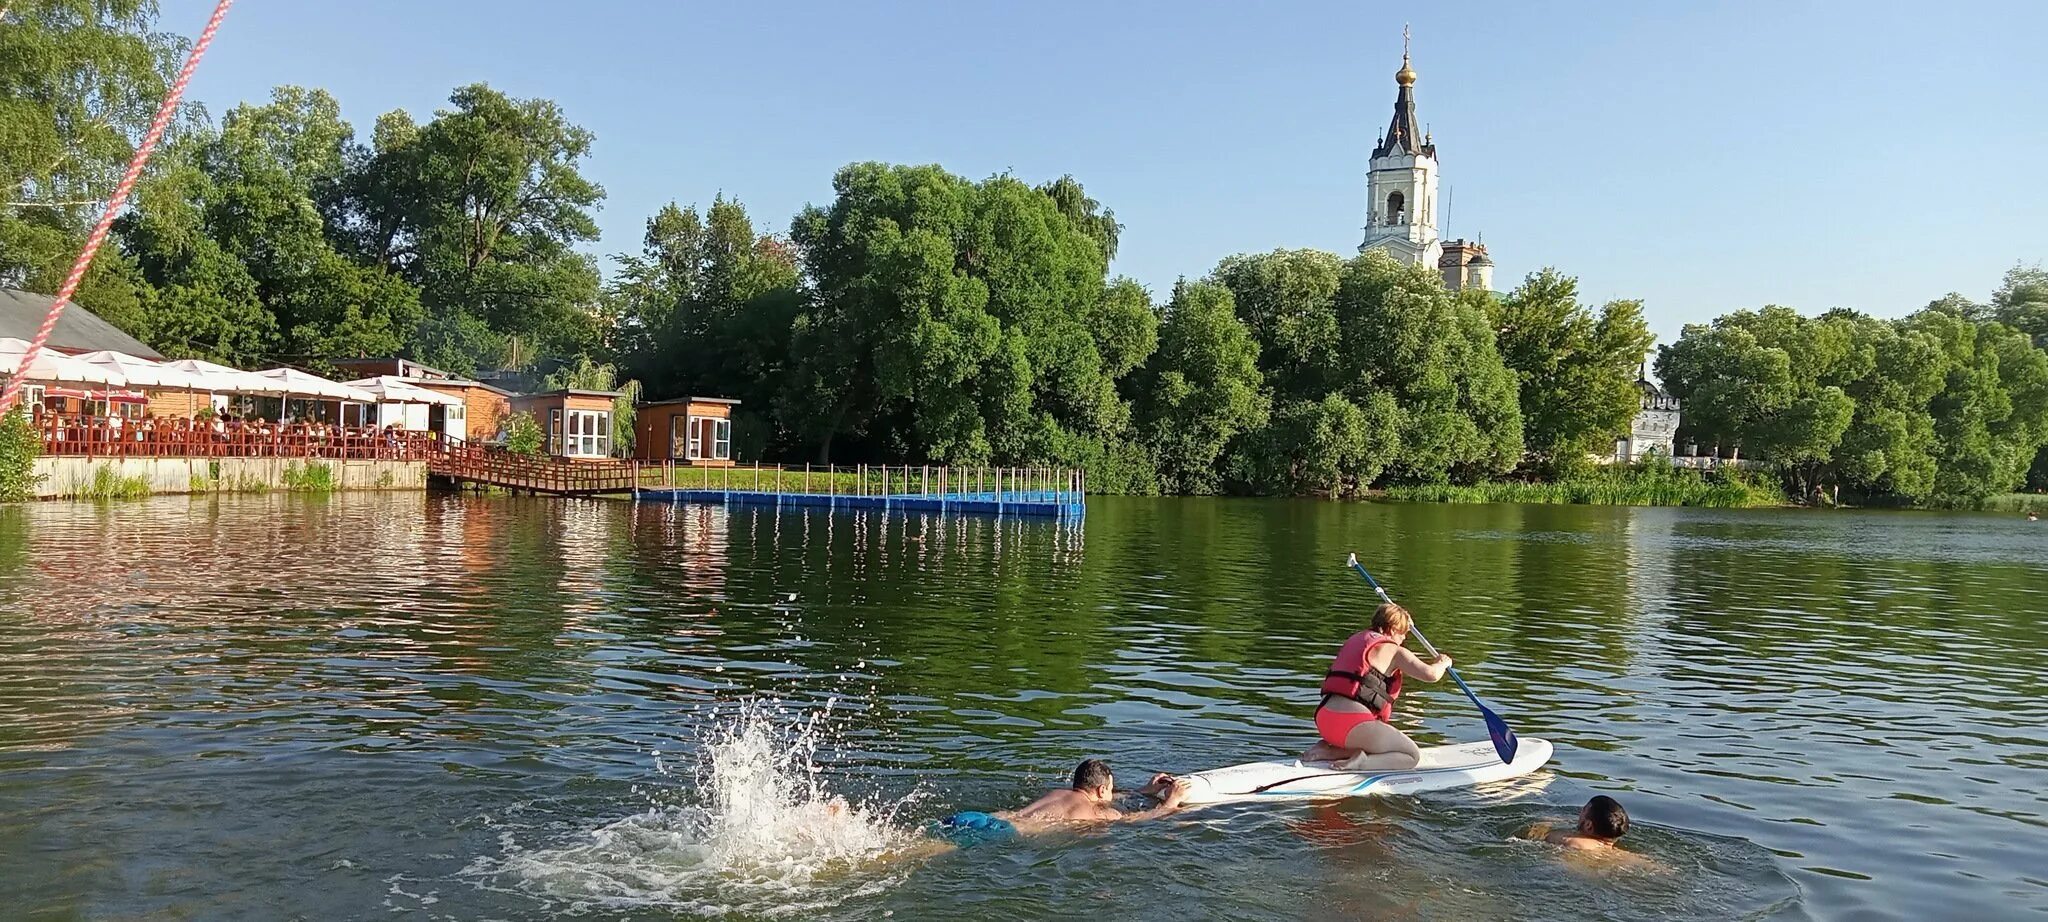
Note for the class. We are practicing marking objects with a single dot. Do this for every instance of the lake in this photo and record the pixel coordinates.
(462, 707)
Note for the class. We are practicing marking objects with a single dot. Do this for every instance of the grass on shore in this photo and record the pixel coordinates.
(1618, 487)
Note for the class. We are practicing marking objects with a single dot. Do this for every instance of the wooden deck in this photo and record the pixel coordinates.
(466, 464)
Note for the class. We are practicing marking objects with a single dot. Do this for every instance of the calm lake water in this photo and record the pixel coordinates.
(458, 707)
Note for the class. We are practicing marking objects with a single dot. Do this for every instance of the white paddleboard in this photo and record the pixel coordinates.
(1441, 767)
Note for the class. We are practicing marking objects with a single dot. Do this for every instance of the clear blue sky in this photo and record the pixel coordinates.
(1702, 157)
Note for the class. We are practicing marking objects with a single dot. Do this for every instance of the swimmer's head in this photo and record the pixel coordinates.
(1092, 777)
(1603, 818)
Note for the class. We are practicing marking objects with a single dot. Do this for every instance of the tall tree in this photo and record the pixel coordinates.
(1201, 390)
(1575, 372)
(959, 321)
(1433, 354)
(79, 82)
(482, 209)
(1288, 299)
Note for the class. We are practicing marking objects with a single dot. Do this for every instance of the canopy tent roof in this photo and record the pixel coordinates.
(142, 372)
(55, 366)
(295, 383)
(393, 389)
(221, 379)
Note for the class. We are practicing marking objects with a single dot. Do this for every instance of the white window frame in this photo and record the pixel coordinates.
(720, 448)
(586, 433)
(32, 398)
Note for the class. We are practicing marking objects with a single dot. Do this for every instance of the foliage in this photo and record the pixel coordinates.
(1653, 483)
(1946, 406)
(1328, 446)
(310, 477)
(1201, 390)
(82, 79)
(19, 447)
(710, 289)
(523, 436)
(1575, 373)
(107, 483)
(959, 322)
(1433, 354)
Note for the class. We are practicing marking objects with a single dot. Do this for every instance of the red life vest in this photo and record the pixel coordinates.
(1352, 676)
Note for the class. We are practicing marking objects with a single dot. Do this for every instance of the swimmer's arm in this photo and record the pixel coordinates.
(1174, 795)
(1538, 832)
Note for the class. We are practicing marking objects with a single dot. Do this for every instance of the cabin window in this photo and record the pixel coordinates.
(588, 433)
(710, 439)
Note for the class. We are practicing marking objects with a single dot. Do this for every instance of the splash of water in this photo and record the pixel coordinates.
(756, 831)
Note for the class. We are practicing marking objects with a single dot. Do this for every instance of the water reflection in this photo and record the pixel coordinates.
(345, 705)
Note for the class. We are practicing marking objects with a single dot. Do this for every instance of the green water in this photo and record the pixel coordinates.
(363, 706)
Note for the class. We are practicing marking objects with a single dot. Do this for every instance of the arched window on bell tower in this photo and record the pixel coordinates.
(1395, 209)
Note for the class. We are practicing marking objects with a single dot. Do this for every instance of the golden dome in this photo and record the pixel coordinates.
(1406, 75)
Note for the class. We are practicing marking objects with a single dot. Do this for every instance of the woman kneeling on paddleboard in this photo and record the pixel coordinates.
(1359, 693)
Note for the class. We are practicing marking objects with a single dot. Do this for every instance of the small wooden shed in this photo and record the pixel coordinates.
(575, 423)
(695, 430)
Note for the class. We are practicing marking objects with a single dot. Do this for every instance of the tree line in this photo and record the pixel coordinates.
(921, 316)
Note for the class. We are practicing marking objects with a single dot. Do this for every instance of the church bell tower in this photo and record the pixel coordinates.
(1400, 213)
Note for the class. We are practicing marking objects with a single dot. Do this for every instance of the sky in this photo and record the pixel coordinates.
(1701, 157)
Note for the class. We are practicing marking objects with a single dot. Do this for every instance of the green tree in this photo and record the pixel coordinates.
(959, 322)
(1575, 372)
(482, 209)
(257, 193)
(1888, 448)
(19, 446)
(523, 436)
(1433, 354)
(1201, 390)
(712, 290)
(1768, 382)
(1328, 446)
(2021, 302)
(81, 79)
(1288, 300)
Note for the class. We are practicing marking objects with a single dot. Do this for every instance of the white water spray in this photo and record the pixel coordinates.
(756, 832)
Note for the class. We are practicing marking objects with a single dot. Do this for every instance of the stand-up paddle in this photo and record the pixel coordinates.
(1504, 741)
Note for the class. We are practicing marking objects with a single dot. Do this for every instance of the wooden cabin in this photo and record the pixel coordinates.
(576, 424)
(695, 430)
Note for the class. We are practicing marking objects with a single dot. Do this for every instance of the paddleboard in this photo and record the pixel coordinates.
(1441, 767)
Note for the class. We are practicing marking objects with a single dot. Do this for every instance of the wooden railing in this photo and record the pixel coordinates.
(100, 438)
(499, 468)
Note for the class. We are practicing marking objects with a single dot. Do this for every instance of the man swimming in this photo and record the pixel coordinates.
(1089, 798)
(1602, 822)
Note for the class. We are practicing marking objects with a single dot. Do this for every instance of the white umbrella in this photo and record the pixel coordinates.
(296, 383)
(221, 379)
(55, 366)
(393, 389)
(142, 372)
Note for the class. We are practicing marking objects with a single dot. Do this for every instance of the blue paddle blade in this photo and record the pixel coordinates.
(1504, 742)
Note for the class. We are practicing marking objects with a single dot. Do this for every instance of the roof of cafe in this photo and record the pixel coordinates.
(78, 329)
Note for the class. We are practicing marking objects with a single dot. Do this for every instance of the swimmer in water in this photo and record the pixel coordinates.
(1602, 823)
(1089, 798)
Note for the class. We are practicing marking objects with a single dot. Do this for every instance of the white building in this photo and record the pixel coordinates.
(1654, 426)
(1401, 188)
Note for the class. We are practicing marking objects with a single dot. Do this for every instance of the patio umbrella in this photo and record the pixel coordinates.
(394, 389)
(142, 372)
(220, 379)
(55, 366)
(299, 383)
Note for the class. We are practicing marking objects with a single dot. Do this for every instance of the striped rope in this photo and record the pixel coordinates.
(164, 111)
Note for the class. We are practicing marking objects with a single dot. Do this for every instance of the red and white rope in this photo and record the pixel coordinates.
(164, 111)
